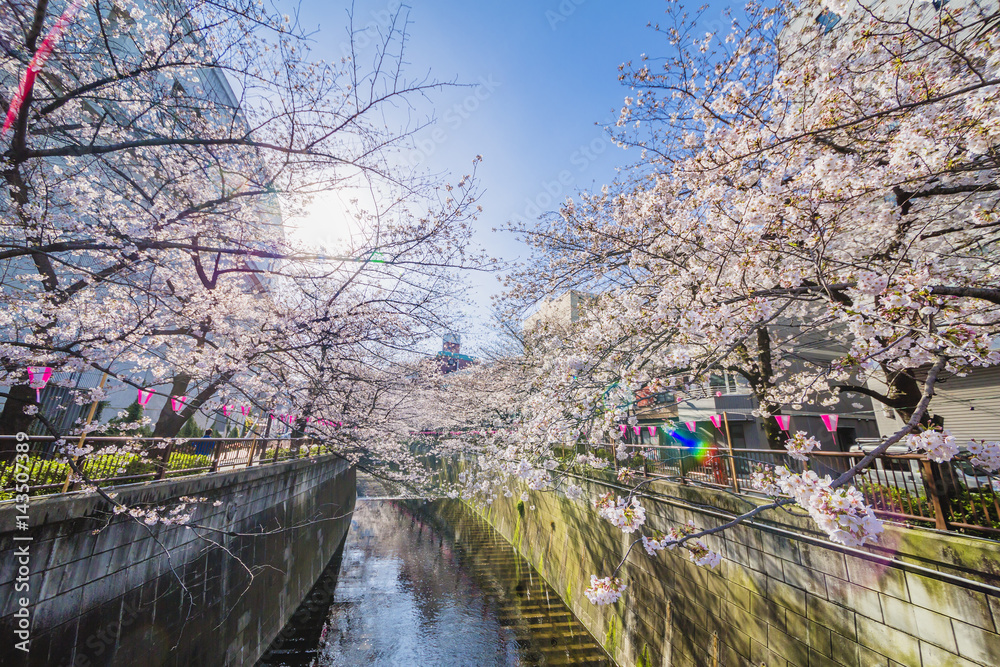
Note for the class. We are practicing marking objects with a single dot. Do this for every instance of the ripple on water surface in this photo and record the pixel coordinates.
(430, 583)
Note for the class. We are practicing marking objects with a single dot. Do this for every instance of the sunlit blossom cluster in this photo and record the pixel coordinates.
(940, 446)
(800, 444)
(627, 514)
(604, 591)
(764, 479)
(984, 454)
(841, 512)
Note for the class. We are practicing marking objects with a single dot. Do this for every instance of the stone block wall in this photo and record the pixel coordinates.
(104, 592)
(783, 595)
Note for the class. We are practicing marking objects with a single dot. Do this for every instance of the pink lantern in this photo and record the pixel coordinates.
(691, 426)
(144, 396)
(38, 377)
(716, 420)
(652, 431)
(830, 421)
(177, 403)
(783, 421)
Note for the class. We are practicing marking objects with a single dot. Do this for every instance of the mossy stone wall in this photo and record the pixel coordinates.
(783, 595)
(103, 591)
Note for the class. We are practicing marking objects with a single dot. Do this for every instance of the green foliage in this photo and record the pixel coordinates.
(976, 508)
(41, 471)
(520, 508)
(44, 471)
(133, 414)
(969, 507)
(233, 432)
(190, 429)
(892, 499)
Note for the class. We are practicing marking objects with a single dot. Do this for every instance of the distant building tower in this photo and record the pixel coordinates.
(450, 358)
(452, 343)
(561, 311)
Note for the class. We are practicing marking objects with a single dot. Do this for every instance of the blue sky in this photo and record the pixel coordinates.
(543, 78)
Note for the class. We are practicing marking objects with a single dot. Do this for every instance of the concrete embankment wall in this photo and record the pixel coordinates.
(102, 590)
(783, 595)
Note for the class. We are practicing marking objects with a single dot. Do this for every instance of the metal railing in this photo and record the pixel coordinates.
(44, 468)
(904, 487)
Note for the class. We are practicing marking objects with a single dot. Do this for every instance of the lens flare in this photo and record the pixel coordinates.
(697, 445)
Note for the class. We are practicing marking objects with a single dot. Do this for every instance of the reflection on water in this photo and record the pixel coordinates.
(430, 583)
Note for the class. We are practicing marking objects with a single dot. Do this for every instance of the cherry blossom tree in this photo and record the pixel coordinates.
(823, 174)
(147, 176)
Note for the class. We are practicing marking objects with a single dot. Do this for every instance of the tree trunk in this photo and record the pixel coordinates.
(170, 422)
(12, 419)
(775, 437)
(906, 393)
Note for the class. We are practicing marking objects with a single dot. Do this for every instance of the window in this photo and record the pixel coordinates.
(828, 19)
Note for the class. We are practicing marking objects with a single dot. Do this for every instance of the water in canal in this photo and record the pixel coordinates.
(430, 583)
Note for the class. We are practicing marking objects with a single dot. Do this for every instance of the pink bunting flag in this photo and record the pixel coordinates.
(636, 429)
(622, 428)
(691, 426)
(38, 377)
(177, 403)
(783, 421)
(144, 396)
(37, 62)
(245, 410)
(652, 431)
(716, 420)
(830, 421)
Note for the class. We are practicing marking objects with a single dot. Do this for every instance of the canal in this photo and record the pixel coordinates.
(430, 583)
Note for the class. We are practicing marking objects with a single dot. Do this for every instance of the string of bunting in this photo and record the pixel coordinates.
(784, 421)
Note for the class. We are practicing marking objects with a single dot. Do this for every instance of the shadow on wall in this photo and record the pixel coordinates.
(111, 596)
